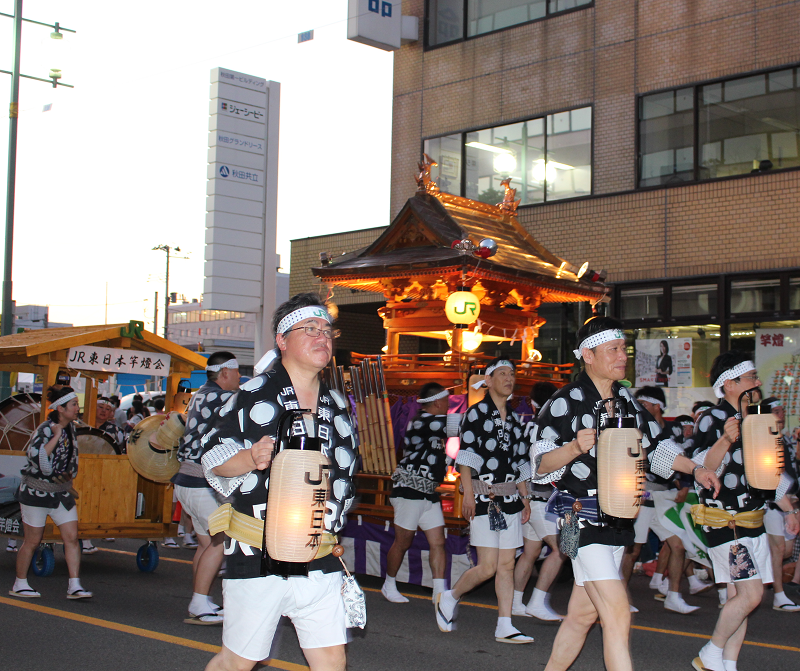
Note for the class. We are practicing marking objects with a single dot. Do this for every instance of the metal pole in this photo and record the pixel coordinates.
(7, 326)
(155, 314)
(166, 297)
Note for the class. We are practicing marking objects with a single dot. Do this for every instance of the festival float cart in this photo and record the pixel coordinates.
(449, 268)
(120, 495)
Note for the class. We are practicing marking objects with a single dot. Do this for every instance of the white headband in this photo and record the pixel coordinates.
(500, 364)
(230, 363)
(598, 339)
(654, 401)
(442, 394)
(63, 400)
(104, 402)
(737, 371)
(308, 312)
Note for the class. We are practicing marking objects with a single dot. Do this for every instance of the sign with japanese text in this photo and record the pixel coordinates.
(241, 110)
(778, 364)
(240, 142)
(89, 357)
(664, 363)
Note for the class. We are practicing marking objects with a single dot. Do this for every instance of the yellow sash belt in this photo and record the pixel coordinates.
(249, 530)
(719, 518)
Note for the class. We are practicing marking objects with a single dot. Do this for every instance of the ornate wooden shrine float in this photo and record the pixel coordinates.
(462, 270)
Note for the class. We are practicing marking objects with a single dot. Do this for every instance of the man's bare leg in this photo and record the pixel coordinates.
(611, 601)
(403, 538)
(581, 615)
(504, 581)
(629, 559)
(437, 557)
(332, 658)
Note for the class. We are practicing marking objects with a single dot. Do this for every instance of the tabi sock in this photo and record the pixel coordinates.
(730, 664)
(780, 599)
(447, 601)
(439, 585)
(201, 604)
(694, 581)
(538, 598)
(21, 583)
(517, 602)
(504, 627)
(390, 583)
(711, 656)
(74, 585)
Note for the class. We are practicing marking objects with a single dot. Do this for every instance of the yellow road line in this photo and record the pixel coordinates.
(137, 631)
(672, 632)
(133, 554)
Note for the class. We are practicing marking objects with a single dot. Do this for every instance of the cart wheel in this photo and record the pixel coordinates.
(44, 561)
(147, 557)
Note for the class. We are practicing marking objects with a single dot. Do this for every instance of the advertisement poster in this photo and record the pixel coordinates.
(664, 363)
(778, 364)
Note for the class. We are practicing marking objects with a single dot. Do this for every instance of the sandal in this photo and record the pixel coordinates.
(517, 638)
(205, 619)
(25, 593)
(79, 594)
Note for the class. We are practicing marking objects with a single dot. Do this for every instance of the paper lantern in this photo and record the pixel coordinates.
(462, 308)
(470, 340)
(620, 469)
(299, 488)
(762, 448)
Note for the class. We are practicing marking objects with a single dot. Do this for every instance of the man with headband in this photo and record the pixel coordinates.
(661, 494)
(196, 497)
(104, 420)
(414, 497)
(733, 521)
(237, 464)
(563, 453)
(494, 468)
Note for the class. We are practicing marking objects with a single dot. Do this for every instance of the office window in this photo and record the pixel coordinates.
(666, 137)
(548, 158)
(446, 21)
(642, 303)
(794, 293)
(694, 300)
(755, 296)
(738, 126)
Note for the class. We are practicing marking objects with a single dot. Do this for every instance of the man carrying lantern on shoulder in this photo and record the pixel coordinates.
(240, 461)
(568, 453)
(750, 469)
(494, 469)
(414, 497)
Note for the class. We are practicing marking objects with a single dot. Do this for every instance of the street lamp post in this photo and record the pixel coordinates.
(167, 249)
(7, 324)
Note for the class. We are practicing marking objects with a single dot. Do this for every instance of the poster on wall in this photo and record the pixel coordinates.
(664, 363)
(778, 364)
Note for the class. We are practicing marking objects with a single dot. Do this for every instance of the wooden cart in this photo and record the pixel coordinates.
(115, 501)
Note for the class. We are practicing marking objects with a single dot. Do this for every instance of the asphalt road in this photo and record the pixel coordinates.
(135, 622)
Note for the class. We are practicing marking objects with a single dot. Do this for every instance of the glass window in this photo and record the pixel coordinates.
(568, 170)
(749, 124)
(794, 293)
(642, 303)
(445, 21)
(699, 299)
(446, 17)
(666, 137)
(495, 154)
(755, 296)
(484, 16)
(446, 151)
(546, 159)
(705, 348)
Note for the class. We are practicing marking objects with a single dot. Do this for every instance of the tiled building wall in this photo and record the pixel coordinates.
(305, 256)
(606, 55)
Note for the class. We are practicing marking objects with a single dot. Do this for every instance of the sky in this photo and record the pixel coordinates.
(118, 164)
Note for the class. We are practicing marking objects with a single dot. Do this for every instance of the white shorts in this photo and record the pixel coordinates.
(775, 524)
(759, 552)
(199, 503)
(481, 536)
(540, 524)
(254, 606)
(412, 513)
(597, 562)
(34, 516)
(646, 521)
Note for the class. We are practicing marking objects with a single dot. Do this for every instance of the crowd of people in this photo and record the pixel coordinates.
(529, 489)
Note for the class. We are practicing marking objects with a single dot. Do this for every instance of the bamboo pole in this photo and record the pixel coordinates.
(374, 432)
(381, 419)
(363, 432)
(388, 413)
